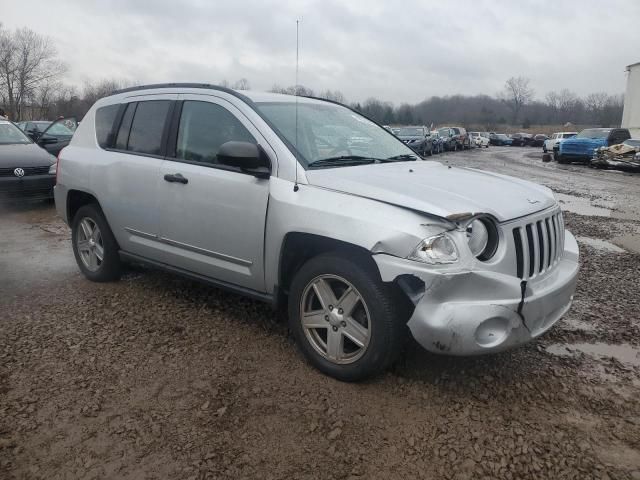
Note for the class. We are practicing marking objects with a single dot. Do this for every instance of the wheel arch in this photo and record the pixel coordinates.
(299, 247)
(77, 199)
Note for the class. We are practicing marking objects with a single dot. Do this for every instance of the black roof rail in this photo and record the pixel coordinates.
(185, 85)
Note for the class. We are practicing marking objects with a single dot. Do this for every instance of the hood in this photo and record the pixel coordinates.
(433, 188)
(582, 144)
(24, 155)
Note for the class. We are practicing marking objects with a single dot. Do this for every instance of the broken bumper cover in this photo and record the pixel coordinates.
(477, 312)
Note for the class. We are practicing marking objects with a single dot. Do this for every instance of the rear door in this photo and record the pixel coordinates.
(213, 220)
(128, 182)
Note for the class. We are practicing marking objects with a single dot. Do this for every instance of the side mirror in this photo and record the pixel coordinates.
(248, 157)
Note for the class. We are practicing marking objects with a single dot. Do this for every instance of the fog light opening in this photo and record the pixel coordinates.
(492, 332)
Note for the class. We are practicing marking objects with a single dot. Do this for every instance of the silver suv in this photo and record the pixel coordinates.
(307, 204)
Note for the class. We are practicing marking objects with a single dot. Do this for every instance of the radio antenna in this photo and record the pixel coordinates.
(295, 185)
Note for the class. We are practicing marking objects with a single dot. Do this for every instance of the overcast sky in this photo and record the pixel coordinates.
(402, 51)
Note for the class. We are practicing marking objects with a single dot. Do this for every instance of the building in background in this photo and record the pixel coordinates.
(631, 113)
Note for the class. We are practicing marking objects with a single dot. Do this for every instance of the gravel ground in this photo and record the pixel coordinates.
(158, 377)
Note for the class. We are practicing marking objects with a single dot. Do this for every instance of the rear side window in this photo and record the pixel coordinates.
(105, 116)
(148, 126)
(203, 128)
(125, 126)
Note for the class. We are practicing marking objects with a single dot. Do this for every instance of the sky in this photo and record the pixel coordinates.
(402, 51)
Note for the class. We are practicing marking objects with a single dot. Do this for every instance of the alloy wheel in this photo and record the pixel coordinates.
(89, 244)
(335, 319)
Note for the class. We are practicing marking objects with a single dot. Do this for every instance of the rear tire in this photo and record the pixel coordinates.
(94, 246)
(377, 317)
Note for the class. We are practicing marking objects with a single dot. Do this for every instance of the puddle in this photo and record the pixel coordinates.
(602, 245)
(629, 242)
(582, 206)
(624, 353)
(574, 324)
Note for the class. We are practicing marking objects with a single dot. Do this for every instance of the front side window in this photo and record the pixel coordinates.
(203, 128)
(11, 135)
(326, 131)
(147, 127)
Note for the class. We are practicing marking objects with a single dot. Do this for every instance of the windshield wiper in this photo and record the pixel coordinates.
(343, 160)
(404, 156)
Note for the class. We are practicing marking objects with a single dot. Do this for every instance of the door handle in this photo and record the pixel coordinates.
(175, 178)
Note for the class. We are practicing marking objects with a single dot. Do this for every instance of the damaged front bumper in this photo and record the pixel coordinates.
(479, 311)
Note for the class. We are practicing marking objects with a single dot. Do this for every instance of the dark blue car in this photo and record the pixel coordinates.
(582, 147)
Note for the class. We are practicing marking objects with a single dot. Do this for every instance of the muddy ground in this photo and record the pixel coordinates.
(157, 377)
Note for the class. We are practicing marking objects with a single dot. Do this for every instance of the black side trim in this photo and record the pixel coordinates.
(230, 287)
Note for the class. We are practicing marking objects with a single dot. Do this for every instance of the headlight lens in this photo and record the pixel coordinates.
(482, 237)
(52, 169)
(477, 236)
(436, 249)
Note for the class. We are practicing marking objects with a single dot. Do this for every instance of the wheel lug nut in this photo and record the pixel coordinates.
(344, 324)
(326, 317)
(340, 311)
(335, 329)
(330, 307)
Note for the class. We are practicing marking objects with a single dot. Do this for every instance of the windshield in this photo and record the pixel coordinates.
(60, 130)
(501, 136)
(632, 142)
(10, 134)
(411, 132)
(568, 135)
(593, 133)
(40, 126)
(326, 130)
(444, 132)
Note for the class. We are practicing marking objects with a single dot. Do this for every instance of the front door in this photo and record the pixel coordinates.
(213, 216)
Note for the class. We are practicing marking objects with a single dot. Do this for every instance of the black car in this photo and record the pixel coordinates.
(34, 128)
(57, 135)
(518, 139)
(538, 140)
(26, 170)
(499, 139)
(418, 138)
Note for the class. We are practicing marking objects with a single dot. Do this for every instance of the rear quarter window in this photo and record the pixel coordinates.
(105, 117)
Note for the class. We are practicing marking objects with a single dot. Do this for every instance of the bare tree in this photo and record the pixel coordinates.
(27, 61)
(517, 94)
(333, 95)
(242, 84)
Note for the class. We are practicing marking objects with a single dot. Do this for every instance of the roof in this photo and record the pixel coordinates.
(254, 96)
(637, 64)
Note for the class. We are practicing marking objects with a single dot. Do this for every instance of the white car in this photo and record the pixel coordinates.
(480, 139)
(548, 144)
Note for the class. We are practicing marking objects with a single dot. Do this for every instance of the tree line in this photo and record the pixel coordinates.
(31, 87)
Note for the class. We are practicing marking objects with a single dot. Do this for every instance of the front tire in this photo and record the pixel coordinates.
(94, 246)
(345, 320)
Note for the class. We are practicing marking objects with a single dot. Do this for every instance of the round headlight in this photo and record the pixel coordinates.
(477, 236)
(482, 237)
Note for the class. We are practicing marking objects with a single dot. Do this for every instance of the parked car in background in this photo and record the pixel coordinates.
(521, 139)
(437, 141)
(582, 147)
(479, 140)
(499, 139)
(456, 138)
(550, 143)
(538, 140)
(26, 170)
(360, 246)
(57, 135)
(34, 128)
(417, 138)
